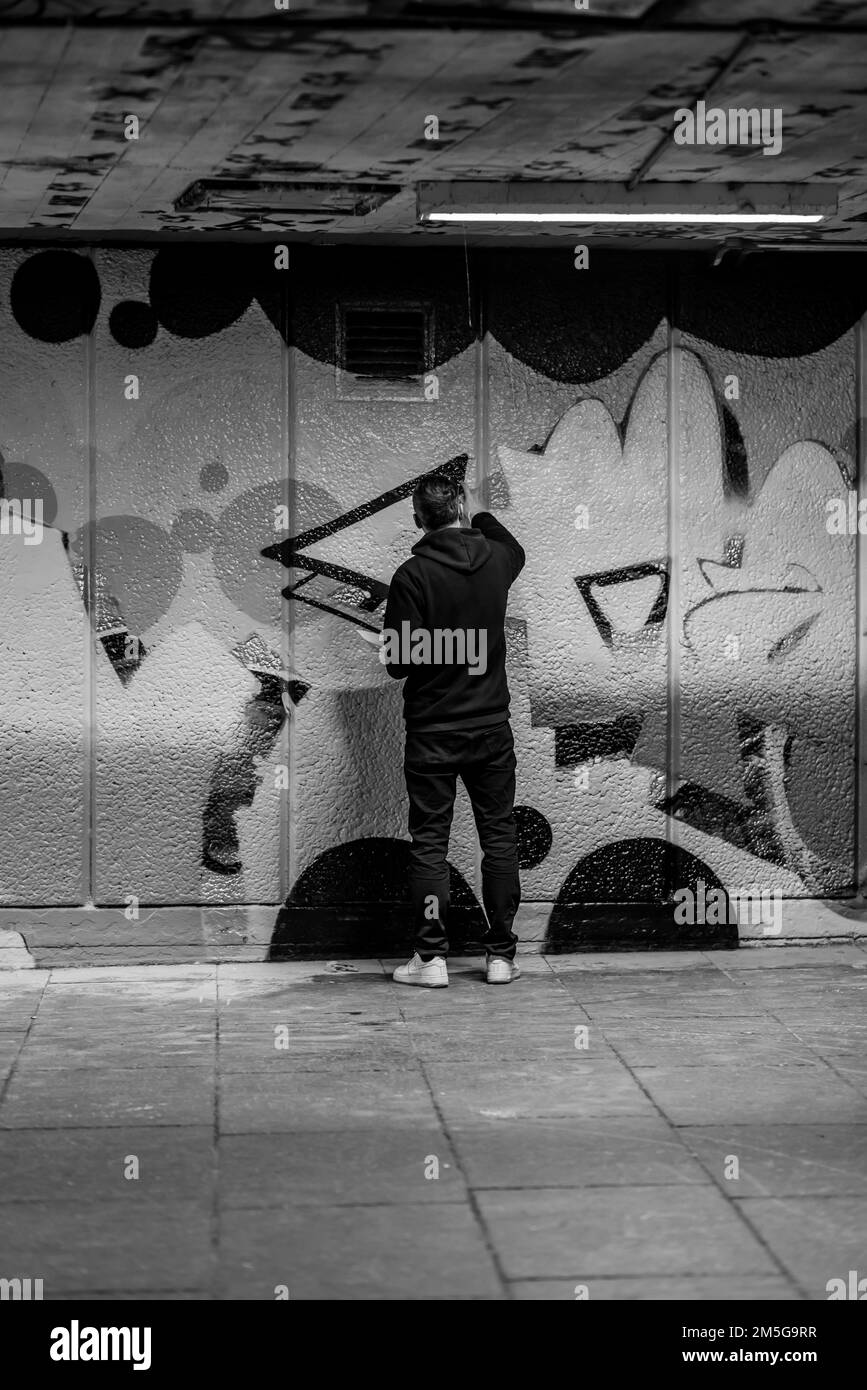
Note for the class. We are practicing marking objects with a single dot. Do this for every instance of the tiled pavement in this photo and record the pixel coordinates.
(286, 1123)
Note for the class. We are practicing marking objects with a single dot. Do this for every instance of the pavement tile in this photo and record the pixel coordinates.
(725, 1288)
(692, 1005)
(806, 983)
(574, 1153)
(307, 1020)
(825, 972)
(403, 1253)
(773, 958)
(10, 1046)
(815, 1238)
(830, 1037)
(487, 1050)
(294, 971)
(627, 962)
(768, 1094)
(309, 1050)
(784, 1160)
(286, 1101)
(48, 1048)
(132, 989)
(128, 974)
(600, 984)
(708, 1042)
(14, 982)
(128, 1295)
(792, 1005)
(583, 1088)
(239, 1015)
(88, 1098)
(120, 1244)
(662, 1231)
(619, 1000)
(89, 1165)
(17, 1014)
(122, 1026)
(803, 1013)
(385, 1164)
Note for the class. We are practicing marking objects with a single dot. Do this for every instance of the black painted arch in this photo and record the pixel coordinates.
(354, 897)
(620, 896)
(133, 324)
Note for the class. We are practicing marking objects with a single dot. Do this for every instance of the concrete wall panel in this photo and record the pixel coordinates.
(187, 479)
(49, 301)
(769, 631)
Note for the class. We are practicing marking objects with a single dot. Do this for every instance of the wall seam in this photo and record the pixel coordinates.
(860, 607)
(288, 801)
(89, 561)
(482, 436)
(673, 611)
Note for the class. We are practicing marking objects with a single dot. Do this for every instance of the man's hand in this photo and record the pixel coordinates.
(472, 501)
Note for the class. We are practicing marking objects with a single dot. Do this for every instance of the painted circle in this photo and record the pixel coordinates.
(55, 296)
(535, 836)
(132, 324)
(21, 481)
(139, 563)
(245, 527)
(213, 477)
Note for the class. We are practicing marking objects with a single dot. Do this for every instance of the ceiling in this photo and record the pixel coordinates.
(332, 91)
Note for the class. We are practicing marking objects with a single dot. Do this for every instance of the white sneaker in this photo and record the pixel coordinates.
(430, 973)
(501, 971)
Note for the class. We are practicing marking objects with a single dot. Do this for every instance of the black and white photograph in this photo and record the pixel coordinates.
(433, 676)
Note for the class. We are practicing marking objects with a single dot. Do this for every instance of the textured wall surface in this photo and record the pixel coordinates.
(662, 437)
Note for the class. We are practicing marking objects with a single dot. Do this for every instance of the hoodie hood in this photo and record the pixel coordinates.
(458, 547)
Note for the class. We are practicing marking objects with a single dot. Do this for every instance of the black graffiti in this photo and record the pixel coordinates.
(235, 781)
(612, 738)
(625, 575)
(291, 551)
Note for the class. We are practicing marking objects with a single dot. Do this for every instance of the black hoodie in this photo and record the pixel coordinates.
(456, 584)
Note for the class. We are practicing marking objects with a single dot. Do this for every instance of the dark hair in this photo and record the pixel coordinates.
(436, 502)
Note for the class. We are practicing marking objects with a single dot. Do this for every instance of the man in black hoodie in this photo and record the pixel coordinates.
(444, 635)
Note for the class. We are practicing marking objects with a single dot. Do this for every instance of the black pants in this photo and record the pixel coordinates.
(485, 760)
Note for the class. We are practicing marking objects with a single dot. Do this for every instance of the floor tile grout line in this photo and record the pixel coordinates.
(7, 1081)
(741, 1217)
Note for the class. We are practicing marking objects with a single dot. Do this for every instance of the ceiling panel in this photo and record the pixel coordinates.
(254, 102)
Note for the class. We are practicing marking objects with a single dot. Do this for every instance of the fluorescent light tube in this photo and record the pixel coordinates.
(732, 219)
(480, 202)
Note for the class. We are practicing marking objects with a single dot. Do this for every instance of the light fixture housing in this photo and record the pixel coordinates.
(492, 203)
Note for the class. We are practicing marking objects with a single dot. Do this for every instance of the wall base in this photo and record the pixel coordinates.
(68, 936)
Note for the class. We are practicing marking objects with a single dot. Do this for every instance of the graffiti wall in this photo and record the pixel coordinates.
(186, 719)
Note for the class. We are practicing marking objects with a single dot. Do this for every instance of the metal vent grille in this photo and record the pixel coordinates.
(385, 344)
